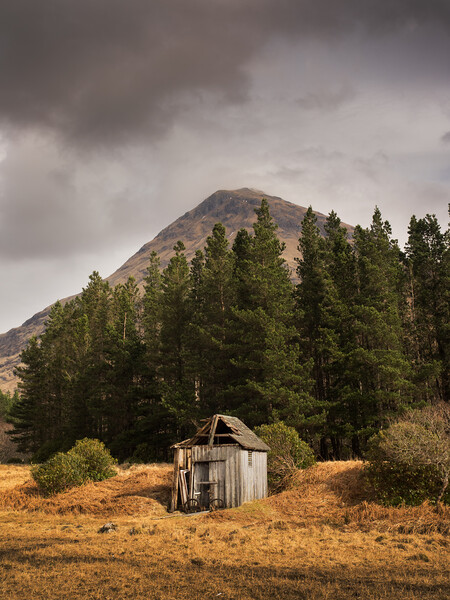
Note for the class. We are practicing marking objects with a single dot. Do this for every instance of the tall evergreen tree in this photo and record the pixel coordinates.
(341, 270)
(427, 253)
(80, 363)
(177, 383)
(29, 428)
(151, 316)
(125, 357)
(41, 417)
(378, 374)
(155, 424)
(320, 313)
(213, 294)
(269, 381)
(95, 303)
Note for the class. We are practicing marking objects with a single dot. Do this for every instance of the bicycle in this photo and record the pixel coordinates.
(192, 505)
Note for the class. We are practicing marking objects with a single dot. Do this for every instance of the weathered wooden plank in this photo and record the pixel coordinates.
(183, 486)
(236, 476)
(213, 430)
(174, 498)
(240, 477)
(229, 479)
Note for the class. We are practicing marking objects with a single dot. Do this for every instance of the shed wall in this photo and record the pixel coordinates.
(253, 475)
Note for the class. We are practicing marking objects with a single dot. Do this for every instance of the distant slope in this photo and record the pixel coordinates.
(234, 209)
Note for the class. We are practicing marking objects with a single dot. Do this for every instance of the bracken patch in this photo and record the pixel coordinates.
(133, 491)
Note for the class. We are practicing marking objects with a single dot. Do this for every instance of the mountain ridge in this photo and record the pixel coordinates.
(235, 209)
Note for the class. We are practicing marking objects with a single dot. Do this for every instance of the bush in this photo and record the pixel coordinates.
(98, 464)
(287, 453)
(60, 472)
(88, 460)
(410, 461)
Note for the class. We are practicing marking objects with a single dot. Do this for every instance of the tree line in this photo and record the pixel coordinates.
(361, 338)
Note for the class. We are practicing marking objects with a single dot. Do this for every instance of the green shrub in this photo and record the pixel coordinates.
(60, 472)
(287, 453)
(98, 464)
(396, 484)
(88, 460)
(410, 461)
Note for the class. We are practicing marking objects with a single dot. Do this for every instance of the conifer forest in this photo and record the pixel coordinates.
(359, 337)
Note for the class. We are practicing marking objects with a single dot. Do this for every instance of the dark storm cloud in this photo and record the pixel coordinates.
(106, 70)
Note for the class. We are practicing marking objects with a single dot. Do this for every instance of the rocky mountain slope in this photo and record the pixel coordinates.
(235, 209)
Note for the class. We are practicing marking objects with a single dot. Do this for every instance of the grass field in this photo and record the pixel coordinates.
(321, 539)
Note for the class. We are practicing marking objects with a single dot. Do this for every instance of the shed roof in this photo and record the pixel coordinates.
(231, 427)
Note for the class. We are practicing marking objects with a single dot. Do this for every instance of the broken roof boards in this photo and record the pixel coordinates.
(223, 461)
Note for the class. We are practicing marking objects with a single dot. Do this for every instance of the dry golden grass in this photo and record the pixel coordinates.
(12, 476)
(321, 539)
(336, 493)
(132, 492)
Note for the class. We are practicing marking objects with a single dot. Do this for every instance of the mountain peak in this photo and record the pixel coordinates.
(226, 201)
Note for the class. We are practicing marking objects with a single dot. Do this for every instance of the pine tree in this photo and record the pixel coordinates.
(95, 303)
(80, 422)
(269, 381)
(55, 347)
(212, 296)
(125, 357)
(151, 317)
(321, 311)
(427, 255)
(177, 384)
(378, 374)
(29, 428)
(341, 269)
(41, 415)
(154, 423)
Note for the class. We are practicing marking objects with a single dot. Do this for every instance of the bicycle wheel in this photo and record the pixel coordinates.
(191, 506)
(216, 504)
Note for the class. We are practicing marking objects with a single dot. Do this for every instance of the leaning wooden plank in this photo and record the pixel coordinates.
(213, 430)
(174, 498)
(183, 486)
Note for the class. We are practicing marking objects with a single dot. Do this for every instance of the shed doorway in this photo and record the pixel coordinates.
(209, 481)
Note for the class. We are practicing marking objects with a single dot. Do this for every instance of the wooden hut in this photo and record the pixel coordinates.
(223, 465)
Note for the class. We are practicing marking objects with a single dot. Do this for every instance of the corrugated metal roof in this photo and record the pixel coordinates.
(239, 432)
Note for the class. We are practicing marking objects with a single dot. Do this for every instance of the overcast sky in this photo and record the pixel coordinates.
(116, 117)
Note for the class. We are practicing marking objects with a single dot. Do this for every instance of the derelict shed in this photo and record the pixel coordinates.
(223, 465)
